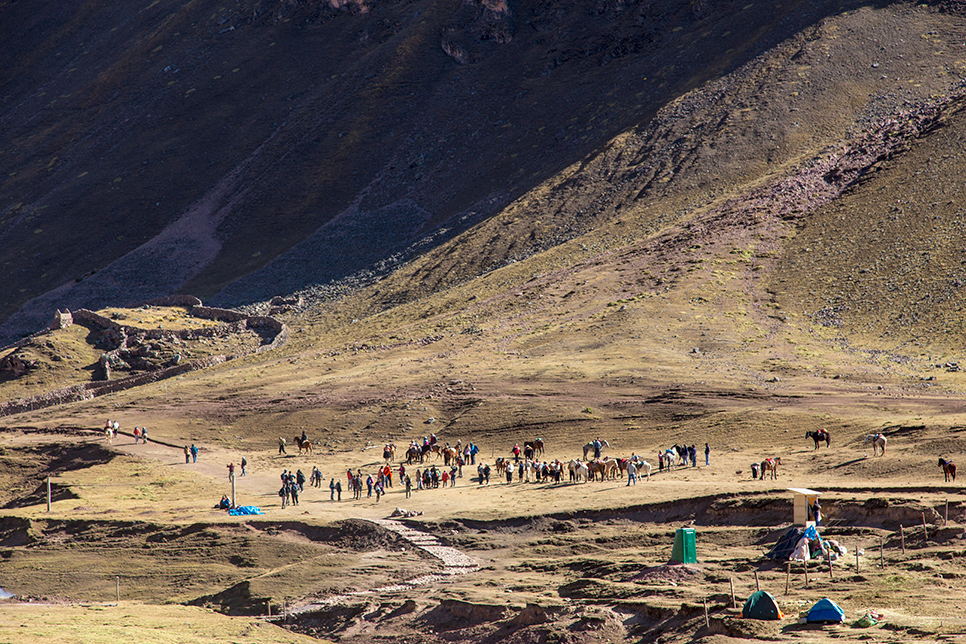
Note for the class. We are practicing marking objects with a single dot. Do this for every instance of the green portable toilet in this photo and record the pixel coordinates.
(684, 549)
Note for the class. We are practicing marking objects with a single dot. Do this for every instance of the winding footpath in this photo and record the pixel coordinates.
(454, 563)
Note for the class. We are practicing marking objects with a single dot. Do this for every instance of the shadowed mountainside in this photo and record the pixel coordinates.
(162, 147)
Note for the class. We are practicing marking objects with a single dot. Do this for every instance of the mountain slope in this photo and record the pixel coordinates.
(163, 146)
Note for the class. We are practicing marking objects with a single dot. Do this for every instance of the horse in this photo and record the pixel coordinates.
(528, 451)
(878, 443)
(949, 469)
(770, 465)
(595, 468)
(414, 454)
(304, 445)
(389, 452)
(578, 470)
(536, 444)
(449, 456)
(819, 436)
(589, 447)
(612, 468)
(645, 466)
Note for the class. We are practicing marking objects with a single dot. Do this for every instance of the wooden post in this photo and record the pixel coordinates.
(881, 552)
(902, 538)
(233, 504)
(48, 493)
(757, 582)
(734, 602)
(828, 555)
(925, 531)
(117, 588)
(788, 576)
(707, 622)
(806, 572)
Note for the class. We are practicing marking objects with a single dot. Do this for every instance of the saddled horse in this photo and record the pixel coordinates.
(597, 468)
(589, 447)
(819, 436)
(536, 444)
(878, 443)
(643, 466)
(449, 455)
(389, 452)
(578, 470)
(770, 465)
(414, 454)
(949, 469)
(304, 445)
(436, 450)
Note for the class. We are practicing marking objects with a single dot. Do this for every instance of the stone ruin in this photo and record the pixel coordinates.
(62, 320)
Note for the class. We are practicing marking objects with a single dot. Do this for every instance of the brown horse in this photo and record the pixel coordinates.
(819, 436)
(449, 456)
(770, 465)
(949, 469)
(536, 444)
(304, 445)
(595, 468)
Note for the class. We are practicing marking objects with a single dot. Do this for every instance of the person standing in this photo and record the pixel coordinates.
(409, 487)
(194, 453)
(231, 471)
(332, 490)
(631, 473)
(244, 464)
(707, 454)
(144, 435)
(338, 489)
(137, 434)
(187, 454)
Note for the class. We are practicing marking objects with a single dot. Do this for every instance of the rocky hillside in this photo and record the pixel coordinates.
(241, 151)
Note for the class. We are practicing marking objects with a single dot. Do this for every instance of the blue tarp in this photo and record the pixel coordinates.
(245, 509)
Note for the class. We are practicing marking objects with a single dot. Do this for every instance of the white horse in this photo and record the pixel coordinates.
(643, 465)
(578, 470)
(878, 443)
(589, 447)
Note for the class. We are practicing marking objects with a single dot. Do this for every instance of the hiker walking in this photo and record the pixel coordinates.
(244, 464)
(281, 446)
(194, 453)
(707, 454)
